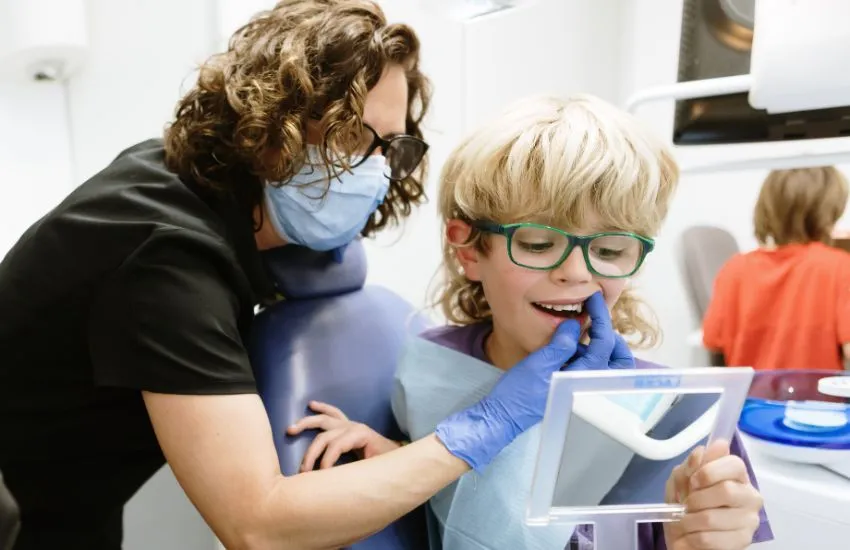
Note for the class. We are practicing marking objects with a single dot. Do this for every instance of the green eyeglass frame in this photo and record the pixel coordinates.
(583, 241)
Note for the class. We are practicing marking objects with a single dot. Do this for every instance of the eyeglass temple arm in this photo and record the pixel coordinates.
(490, 227)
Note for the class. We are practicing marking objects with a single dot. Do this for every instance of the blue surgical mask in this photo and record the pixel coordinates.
(310, 212)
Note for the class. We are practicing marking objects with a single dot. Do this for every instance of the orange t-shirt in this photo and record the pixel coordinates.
(787, 308)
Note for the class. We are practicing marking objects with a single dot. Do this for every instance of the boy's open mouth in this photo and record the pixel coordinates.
(565, 311)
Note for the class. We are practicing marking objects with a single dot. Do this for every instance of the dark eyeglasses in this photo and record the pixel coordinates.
(403, 153)
(613, 254)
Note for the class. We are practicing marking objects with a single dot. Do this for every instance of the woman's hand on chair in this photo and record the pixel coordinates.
(338, 435)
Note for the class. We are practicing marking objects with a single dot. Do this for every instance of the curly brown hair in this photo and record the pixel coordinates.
(245, 121)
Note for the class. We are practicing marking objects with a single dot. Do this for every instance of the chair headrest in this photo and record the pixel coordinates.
(301, 273)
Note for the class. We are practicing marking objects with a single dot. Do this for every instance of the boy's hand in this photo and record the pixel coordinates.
(339, 435)
(722, 506)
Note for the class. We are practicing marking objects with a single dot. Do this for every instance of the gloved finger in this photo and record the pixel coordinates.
(581, 349)
(327, 409)
(317, 447)
(621, 355)
(348, 441)
(314, 422)
(601, 332)
(561, 347)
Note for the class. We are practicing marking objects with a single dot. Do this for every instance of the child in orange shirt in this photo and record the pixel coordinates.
(786, 305)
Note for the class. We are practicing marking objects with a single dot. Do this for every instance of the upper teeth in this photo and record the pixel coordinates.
(562, 307)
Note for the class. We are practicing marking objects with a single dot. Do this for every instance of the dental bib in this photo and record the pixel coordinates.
(487, 511)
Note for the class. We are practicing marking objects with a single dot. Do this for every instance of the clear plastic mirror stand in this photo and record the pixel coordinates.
(616, 527)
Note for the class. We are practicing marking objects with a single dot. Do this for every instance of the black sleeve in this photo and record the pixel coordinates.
(167, 322)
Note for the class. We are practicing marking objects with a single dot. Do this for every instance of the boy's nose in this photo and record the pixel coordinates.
(573, 270)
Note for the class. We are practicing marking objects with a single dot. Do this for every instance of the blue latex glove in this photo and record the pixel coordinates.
(517, 402)
(607, 349)
(621, 357)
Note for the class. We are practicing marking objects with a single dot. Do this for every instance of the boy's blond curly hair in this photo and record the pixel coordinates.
(555, 161)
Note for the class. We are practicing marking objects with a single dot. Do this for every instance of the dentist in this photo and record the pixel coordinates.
(125, 309)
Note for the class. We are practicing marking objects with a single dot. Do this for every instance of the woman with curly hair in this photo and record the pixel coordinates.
(126, 307)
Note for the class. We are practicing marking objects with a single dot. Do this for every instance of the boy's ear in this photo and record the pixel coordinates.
(457, 233)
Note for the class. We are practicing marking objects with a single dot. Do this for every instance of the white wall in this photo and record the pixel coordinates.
(35, 161)
(35, 156)
(142, 57)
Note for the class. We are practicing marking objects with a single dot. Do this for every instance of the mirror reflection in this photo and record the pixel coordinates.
(622, 446)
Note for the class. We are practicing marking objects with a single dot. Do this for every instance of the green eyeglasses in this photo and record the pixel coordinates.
(612, 255)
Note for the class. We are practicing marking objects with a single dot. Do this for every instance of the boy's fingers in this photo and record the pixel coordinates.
(314, 422)
(670, 496)
(679, 478)
(327, 409)
(717, 449)
(347, 441)
(681, 475)
(316, 448)
(728, 494)
(727, 468)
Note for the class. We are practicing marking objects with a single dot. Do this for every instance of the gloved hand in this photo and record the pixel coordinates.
(517, 402)
(607, 349)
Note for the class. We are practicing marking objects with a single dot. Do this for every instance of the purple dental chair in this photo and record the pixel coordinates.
(335, 340)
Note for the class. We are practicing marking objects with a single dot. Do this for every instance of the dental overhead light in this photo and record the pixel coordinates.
(759, 71)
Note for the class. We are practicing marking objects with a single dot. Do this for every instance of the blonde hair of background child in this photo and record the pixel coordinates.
(555, 161)
(800, 206)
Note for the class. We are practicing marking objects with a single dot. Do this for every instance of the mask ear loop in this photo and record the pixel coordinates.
(313, 167)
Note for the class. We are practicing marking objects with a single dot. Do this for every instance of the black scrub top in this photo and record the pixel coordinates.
(136, 281)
